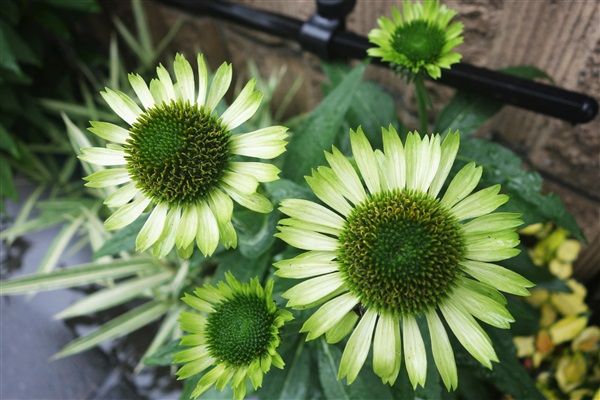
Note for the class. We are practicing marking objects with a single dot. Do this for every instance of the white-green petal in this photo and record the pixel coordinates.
(313, 290)
(122, 105)
(141, 90)
(219, 85)
(327, 193)
(479, 203)
(308, 258)
(501, 278)
(294, 270)
(262, 172)
(311, 212)
(102, 156)
(253, 201)
(433, 155)
(108, 131)
(152, 229)
(394, 152)
(122, 196)
(310, 226)
(492, 223)
(221, 205)
(107, 177)
(158, 91)
(165, 243)
(387, 348)
(365, 159)
(414, 351)
(482, 307)
(411, 150)
(243, 107)
(442, 351)
(195, 367)
(357, 349)
(243, 183)
(449, 149)
(328, 315)
(202, 80)
(306, 240)
(207, 236)
(332, 179)
(208, 380)
(490, 241)
(188, 227)
(166, 82)
(469, 333)
(342, 328)
(462, 185)
(492, 255)
(127, 214)
(264, 143)
(185, 78)
(346, 175)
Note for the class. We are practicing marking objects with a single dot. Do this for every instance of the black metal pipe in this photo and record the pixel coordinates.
(534, 96)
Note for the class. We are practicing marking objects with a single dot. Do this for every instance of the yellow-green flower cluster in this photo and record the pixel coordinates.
(565, 353)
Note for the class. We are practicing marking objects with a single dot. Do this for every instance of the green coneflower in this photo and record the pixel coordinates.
(395, 252)
(421, 38)
(178, 157)
(236, 333)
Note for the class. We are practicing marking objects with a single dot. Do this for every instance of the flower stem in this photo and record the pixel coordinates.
(422, 101)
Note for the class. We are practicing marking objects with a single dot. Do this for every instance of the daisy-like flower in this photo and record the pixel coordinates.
(236, 333)
(380, 258)
(419, 39)
(179, 158)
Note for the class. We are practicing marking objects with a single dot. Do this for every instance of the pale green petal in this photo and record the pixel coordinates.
(141, 90)
(102, 156)
(462, 185)
(192, 322)
(492, 255)
(449, 148)
(243, 107)
(107, 177)
(492, 223)
(188, 227)
(264, 143)
(185, 78)
(208, 380)
(166, 82)
(334, 182)
(327, 193)
(442, 351)
(127, 214)
(328, 315)
(433, 156)
(482, 307)
(122, 105)
(221, 205)
(207, 236)
(414, 351)
(312, 290)
(306, 240)
(242, 183)
(311, 212)
(479, 203)
(490, 241)
(342, 328)
(346, 175)
(195, 367)
(365, 159)
(152, 229)
(122, 196)
(499, 277)
(158, 92)
(108, 131)
(411, 151)
(228, 235)
(166, 241)
(219, 85)
(469, 333)
(310, 226)
(191, 354)
(262, 172)
(394, 152)
(202, 80)
(357, 349)
(197, 303)
(304, 270)
(387, 348)
(254, 201)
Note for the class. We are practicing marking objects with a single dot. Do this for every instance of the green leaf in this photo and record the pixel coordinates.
(7, 143)
(78, 275)
(7, 185)
(122, 240)
(114, 295)
(542, 277)
(58, 246)
(527, 318)
(366, 386)
(8, 59)
(122, 325)
(90, 6)
(163, 356)
(167, 326)
(500, 165)
(255, 232)
(242, 267)
(527, 72)
(319, 130)
(286, 189)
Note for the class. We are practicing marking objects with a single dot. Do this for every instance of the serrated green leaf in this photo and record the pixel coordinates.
(122, 325)
(77, 275)
(319, 130)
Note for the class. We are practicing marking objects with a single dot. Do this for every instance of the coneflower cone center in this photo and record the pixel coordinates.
(400, 252)
(177, 152)
(419, 41)
(240, 330)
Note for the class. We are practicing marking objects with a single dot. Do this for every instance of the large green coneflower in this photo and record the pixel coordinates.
(235, 333)
(180, 159)
(386, 250)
